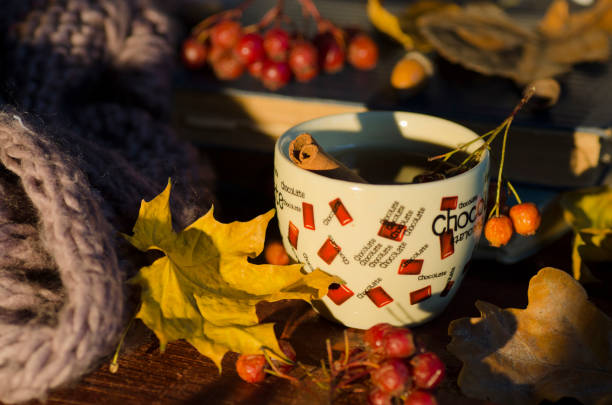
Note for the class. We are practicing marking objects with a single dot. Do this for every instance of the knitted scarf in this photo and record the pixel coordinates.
(84, 137)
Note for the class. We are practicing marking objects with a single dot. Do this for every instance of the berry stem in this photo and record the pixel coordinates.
(200, 31)
(312, 377)
(275, 371)
(346, 348)
(491, 134)
(345, 383)
(294, 321)
(511, 187)
(274, 14)
(330, 358)
(501, 168)
(324, 369)
(309, 7)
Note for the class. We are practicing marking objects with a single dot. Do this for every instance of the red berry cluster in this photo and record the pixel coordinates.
(275, 56)
(402, 371)
(388, 363)
(253, 368)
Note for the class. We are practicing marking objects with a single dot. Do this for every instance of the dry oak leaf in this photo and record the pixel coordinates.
(483, 38)
(559, 346)
(204, 289)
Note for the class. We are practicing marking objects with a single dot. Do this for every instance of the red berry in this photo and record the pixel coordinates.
(525, 218)
(227, 66)
(193, 53)
(275, 253)
(398, 343)
(427, 370)
(255, 68)
(275, 75)
(249, 48)
(303, 61)
(379, 397)
(419, 397)
(374, 336)
(225, 33)
(498, 230)
(276, 44)
(331, 55)
(363, 52)
(391, 376)
(214, 53)
(250, 367)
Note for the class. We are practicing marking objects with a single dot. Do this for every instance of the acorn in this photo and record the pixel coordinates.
(411, 73)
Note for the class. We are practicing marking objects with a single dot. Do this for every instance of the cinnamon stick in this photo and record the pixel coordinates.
(306, 153)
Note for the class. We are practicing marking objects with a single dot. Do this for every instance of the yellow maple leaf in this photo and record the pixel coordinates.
(388, 23)
(589, 212)
(204, 289)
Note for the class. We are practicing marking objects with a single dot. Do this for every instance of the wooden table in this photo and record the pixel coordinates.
(182, 376)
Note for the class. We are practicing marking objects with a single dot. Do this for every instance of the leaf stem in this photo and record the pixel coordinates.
(114, 365)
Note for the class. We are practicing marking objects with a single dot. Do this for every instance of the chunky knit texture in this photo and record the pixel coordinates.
(84, 136)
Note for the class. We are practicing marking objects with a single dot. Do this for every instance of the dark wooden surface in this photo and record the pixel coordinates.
(182, 376)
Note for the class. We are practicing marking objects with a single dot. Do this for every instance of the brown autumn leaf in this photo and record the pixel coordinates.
(483, 38)
(559, 346)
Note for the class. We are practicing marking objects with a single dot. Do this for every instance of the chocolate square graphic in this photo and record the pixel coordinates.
(308, 214)
(449, 203)
(408, 266)
(339, 294)
(328, 251)
(420, 295)
(293, 234)
(340, 211)
(391, 230)
(379, 297)
(447, 244)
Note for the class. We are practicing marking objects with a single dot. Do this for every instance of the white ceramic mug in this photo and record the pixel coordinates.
(401, 249)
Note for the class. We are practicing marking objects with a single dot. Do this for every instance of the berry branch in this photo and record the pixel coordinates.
(524, 217)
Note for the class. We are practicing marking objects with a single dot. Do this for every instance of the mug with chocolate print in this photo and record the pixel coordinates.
(398, 228)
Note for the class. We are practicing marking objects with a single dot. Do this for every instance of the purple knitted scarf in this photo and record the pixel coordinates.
(84, 136)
